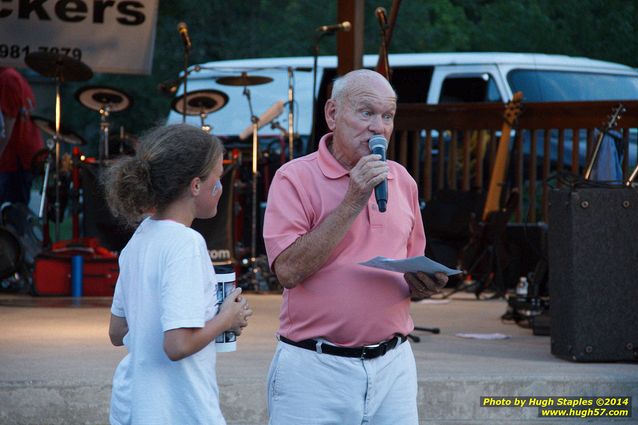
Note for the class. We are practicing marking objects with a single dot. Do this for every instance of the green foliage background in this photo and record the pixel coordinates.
(225, 29)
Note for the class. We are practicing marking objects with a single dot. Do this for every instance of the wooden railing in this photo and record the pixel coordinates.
(453, 146)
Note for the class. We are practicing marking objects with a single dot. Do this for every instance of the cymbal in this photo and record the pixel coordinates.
(57, 65)
(244, 80)
(66, 135)
(207, 101)
(98, 97)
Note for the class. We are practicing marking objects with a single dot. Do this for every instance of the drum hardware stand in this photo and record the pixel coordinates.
(50, 144)
(106, 101)
(53, 144)
(202, 115)
(257, 272)
(187, 49)
(104, 111)
(291, 102)
(75, 173)
(274, 124)
(254, 120)
(122, 135)
(61, 68)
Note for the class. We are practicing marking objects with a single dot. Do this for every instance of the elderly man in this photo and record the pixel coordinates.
(342, 356)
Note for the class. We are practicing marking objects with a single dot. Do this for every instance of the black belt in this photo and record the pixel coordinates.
(365, 352)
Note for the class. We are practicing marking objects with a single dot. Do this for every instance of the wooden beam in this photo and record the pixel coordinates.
(350, 44)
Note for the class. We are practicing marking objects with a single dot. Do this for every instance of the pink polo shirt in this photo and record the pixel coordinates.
(344, 302)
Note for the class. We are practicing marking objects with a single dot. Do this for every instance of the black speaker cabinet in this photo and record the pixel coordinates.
(593, 274)
(97, 218)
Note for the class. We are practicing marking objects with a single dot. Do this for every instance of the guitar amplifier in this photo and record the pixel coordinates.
(593, 284)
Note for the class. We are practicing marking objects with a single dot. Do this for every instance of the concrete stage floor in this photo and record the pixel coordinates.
(56, 365)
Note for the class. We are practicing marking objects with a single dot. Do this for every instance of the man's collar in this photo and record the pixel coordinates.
(330, 167)
(328, 164)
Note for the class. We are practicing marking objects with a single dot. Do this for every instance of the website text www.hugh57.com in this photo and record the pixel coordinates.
(566, 407)
(570, 412)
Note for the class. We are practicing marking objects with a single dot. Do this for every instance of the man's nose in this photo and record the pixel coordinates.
(376, 124)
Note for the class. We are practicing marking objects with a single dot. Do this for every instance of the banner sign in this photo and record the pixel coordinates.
(113, 36)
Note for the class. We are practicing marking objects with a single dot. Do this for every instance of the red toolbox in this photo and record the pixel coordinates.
(52, 274)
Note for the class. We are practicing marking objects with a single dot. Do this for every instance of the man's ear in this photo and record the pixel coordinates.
(330, 112)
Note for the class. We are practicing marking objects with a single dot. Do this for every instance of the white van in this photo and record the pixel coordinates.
(425, 77)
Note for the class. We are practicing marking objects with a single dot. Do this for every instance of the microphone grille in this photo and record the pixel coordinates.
(377, 141)
(182, 26)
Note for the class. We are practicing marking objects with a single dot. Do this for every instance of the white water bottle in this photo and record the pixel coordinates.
(522, 287)
(226, 341)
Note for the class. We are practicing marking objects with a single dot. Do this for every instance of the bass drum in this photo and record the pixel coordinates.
(10, 253)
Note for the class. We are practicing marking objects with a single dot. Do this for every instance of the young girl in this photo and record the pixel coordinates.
(164, 302)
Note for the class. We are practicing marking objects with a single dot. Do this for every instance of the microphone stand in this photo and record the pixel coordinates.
(314, 85)
(185, 100)
(383, 55)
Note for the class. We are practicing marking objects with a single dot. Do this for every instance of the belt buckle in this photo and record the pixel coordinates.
(368, 348)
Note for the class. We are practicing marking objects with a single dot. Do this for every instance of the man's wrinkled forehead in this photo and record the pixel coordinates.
(371, 99)
(371, 95)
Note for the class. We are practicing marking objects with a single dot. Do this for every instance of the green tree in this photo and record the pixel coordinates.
(600, 29)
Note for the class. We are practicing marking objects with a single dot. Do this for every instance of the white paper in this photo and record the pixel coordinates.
(483, 336)
(413, 264)
(431, 301)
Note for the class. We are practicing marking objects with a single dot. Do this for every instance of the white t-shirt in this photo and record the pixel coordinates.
(166, 282)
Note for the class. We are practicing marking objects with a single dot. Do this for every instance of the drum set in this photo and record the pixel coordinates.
(56, 167)
(204, 102)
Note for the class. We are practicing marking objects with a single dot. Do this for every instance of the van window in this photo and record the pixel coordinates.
(464, 88)
(411, 83)
(557, 86)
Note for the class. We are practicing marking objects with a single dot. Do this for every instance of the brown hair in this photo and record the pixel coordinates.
(166, 161)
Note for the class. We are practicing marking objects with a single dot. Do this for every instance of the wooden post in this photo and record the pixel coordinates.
(350, 44)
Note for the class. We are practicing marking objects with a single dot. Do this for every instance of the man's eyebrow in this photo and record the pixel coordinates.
(366, 104)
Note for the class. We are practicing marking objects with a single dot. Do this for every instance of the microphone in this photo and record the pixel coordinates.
(183, 31)
(381, 16)
(273, 112)
(378, 145)
(343, 26)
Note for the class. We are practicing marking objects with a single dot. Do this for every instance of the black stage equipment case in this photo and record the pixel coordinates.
(593, 273)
